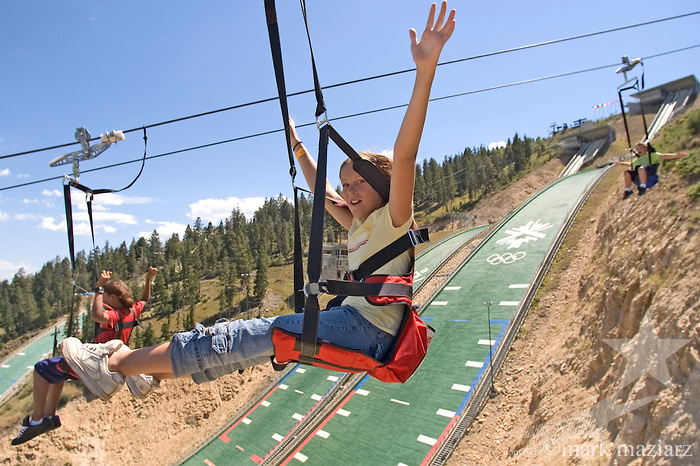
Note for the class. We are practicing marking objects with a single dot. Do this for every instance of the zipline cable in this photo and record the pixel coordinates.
(343, 117)
(370, 78)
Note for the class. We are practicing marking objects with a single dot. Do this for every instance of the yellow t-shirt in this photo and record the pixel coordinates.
(365, 239)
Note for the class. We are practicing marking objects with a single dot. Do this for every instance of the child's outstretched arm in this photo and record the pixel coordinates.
(97, 312)
(671, 156)
(308, 167)
(146, 294)
(426, 53)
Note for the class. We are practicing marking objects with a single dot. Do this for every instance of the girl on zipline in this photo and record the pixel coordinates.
(208, 353)
(116, 311)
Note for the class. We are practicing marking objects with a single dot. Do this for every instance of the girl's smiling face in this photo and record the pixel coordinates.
(360, 197)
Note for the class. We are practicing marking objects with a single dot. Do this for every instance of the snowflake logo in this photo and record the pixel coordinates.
(532, 231)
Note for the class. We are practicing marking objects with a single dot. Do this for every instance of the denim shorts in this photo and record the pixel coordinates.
(207, 353)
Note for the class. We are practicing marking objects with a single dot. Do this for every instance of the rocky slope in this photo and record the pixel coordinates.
(606, 370)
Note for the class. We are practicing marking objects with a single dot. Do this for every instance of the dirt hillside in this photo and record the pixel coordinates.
(605, 370)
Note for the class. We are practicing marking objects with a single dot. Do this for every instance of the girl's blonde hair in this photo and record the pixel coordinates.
(119, 289)
(382, 162)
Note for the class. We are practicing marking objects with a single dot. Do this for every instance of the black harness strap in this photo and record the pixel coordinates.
(388, 253)
(373, 175)
(69, 223)
(320, 105)
(120, 325)
(276, 49)
(309, 347)
(344, 288)
(71, 249)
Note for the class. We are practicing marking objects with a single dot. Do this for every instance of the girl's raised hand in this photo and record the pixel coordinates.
(427, 51)
(104, 277)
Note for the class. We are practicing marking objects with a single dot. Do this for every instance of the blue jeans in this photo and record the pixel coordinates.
(208, 353)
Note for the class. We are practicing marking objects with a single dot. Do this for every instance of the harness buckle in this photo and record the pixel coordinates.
(315, 288)
(413, 237)
(322, 120)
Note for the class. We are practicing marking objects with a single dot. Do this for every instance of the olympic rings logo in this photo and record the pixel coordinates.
(506, 258)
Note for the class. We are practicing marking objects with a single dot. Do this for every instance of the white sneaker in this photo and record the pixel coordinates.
(140, 385)
(89, 362)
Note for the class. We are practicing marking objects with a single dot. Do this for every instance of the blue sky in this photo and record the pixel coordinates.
(117, 66)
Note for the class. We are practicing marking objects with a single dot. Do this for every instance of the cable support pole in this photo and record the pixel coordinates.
(370, 78)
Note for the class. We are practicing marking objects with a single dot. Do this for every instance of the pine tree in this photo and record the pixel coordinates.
(165, 330)
(261, 266)
(149, 336)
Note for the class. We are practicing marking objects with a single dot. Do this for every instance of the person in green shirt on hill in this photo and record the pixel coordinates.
(643, 168)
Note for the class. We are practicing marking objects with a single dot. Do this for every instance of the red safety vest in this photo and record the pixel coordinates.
(121, 330)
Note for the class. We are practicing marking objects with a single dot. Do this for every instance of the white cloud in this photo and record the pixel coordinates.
(496, 145)
(4, 216)
(388, 153)
(5, 172)
(79, 228)
(165, 229)
(83, 229)
(9, 269)
(26, 217)
(100, 216)
(119, 199)
(49, 223)
(215, 210)
(51, 193)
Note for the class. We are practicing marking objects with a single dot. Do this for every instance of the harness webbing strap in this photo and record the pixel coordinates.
(71, 249)
(345, 288)
(312, 309)
(373, 175)
(276, 49)
(69, 223)
(119, 326)
(320, 105)
(388, 253)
